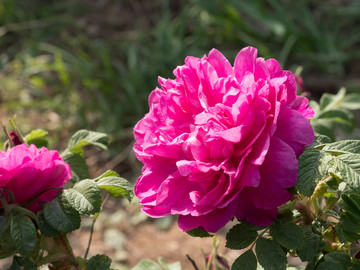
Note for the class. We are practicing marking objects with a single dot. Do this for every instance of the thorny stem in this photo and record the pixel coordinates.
(92, 227)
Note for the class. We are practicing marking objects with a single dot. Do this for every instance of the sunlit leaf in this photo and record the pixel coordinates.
(313, 166)
(115, 185)
(37, 137)
(83, 138)
(348, 166)
(84, 197)
(343, 147)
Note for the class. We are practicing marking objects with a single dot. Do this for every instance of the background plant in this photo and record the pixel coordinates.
(103, 67)
(84, 64)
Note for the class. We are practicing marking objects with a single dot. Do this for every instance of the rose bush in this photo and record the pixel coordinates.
(30, 173)
(221, 141)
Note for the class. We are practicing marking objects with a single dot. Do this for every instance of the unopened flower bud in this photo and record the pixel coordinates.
(14, 137)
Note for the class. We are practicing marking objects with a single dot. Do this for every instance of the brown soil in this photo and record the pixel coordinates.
(144, 238)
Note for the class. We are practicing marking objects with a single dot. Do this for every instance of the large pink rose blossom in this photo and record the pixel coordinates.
(28, 172)
(221, 141)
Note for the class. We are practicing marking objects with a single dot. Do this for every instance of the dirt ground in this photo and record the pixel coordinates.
(127, 235)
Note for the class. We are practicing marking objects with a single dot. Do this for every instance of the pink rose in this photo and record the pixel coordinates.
(28, 172)
(222, 141)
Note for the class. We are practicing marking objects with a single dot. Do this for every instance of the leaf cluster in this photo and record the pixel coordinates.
(334, 111)
(32, 236)
(320, 227)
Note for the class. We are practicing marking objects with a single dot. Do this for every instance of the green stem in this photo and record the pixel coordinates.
(213, 254)
(259, 235)
(93, 225)
(9, 193)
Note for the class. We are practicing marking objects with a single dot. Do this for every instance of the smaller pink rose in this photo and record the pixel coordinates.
(31, 173)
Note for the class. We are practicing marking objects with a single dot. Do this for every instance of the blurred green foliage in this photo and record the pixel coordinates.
(75, 64)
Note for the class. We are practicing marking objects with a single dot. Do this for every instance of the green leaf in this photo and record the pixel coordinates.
(145, 264)
(44, 227)
(335, 261)
(343, 147)
(84, 137)
(348, 228)
(270, 254)
(351, 204)
(84, 197)
(23, 233)
(108, 173)
(240, 236)
(115, 185)
(246, 261)
(79, 168)
(349, 220)
(310, 245)
(351, 102)
(329, 101)
(169, 266)
(199, 233)
(15, 209)
(287, 215)
(257, 228)
(98, 262)
(60, 215)
(343, 118)
(320, 140)
(355, 265)
(288, 235)
(4, 224)
(348, 166)
(6, 242)
(323, 127)
(37, 137)
(311, 264)
(313, 166)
